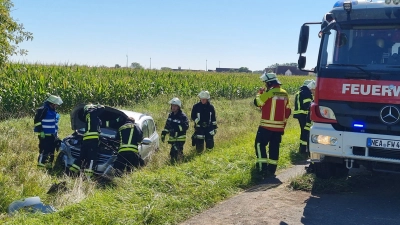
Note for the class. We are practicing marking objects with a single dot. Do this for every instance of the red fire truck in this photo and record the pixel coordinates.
(356, 108)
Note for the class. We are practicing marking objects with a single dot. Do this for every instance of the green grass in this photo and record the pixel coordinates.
(161, 192)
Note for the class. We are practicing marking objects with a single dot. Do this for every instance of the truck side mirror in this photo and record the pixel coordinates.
(303, 39)
(301, 63)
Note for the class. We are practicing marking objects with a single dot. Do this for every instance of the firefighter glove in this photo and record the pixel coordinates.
(196, 120)
(42, 135)
(163, 138)
(212, 132)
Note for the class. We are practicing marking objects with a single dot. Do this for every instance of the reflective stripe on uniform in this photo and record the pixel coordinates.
(260, 160)
(74, 168)
(179, 138)
(90, 135)
(272, 161)
(272, 123)
(128, 150)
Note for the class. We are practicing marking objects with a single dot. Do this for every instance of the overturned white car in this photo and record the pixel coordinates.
(108, 148)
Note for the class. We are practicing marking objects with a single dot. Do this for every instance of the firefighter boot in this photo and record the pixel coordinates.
(193, 140)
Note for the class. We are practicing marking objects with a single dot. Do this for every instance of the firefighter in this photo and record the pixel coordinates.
(176, 127)
(90, 143)
(205, 124)
(275, 110)
(46, 127)
(130, 135)
(303, 99)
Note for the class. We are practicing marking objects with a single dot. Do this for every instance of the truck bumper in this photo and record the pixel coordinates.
(326, 141)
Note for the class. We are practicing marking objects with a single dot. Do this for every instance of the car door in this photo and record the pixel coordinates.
(153, 135)
(144, 151)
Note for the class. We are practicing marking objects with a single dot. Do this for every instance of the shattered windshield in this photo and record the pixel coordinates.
(105, 132)
(371, 47)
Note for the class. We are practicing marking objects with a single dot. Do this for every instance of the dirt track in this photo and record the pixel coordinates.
(273, 203)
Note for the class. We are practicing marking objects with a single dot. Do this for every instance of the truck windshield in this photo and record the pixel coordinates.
(371, 47)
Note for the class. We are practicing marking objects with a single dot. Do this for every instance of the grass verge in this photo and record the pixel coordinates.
(160, 193)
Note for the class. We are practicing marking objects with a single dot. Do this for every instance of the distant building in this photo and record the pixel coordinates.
(227, 69)
(180, 69)
(287, 70)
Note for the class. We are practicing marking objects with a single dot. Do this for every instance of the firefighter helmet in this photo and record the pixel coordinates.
(31, 204)
(176, 101)
(89, 106)
(311, 85)
(269, 77)
(54, 99)
(204, 95)
(307, 82)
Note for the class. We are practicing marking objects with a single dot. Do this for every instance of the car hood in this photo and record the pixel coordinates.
(109, 114)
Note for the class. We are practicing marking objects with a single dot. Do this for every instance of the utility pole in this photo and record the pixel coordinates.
(206, 65)
(219, 64)
(126, 61)
(150, 62)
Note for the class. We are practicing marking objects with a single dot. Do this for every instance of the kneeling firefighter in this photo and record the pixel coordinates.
(203, 115)
(90, 144)
(130, 135)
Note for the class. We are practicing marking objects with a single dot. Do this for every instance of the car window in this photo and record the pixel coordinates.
(152, 127)
(145, 129)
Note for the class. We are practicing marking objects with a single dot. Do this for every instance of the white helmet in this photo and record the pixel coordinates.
(89, 106)
(311, 85)
(306, 82)
(54, 99)
(204, 95)
(32, 204)
(268, 77)
(176, 101)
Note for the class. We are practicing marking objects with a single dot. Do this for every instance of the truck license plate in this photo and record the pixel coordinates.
(383, 143)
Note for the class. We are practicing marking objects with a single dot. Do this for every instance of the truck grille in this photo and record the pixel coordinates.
(378, 153)
(348, 113)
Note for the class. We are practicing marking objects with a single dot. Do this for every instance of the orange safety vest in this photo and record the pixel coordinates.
(275, 108)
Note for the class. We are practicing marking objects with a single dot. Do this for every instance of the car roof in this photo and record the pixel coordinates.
(136, 115)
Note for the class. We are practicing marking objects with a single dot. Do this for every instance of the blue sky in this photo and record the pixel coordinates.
(168, 33)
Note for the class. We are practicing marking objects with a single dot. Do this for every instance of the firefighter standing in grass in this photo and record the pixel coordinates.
(275, 110)
(176, 126)
(302, 102)
(46, 127)
(203, 115)
(130, 136)
(90, 143)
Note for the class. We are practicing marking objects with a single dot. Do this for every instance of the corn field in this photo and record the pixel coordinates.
(23, 87)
